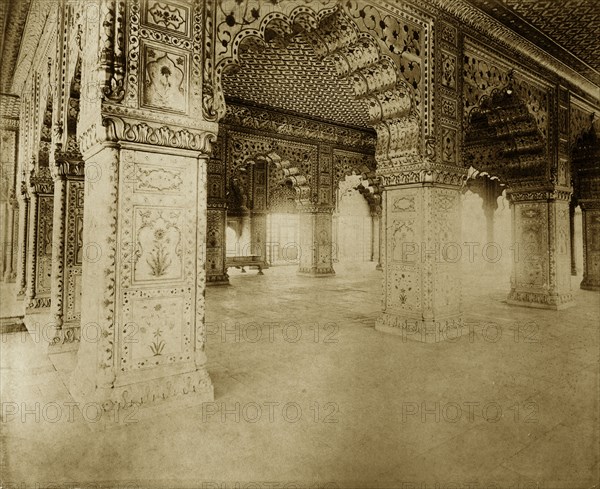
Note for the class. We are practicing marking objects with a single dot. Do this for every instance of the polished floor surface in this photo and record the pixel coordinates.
(309, 394)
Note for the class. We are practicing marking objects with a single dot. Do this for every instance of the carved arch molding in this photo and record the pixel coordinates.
(382, 53)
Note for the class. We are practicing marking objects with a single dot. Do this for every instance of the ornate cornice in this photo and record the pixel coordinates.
(118, 130)
(420, 171)
(520, 195)
(482, 22)
(281, 123)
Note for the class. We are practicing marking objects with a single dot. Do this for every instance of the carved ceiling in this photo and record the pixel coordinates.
(567, 29)
(292, 79)
(13, 15)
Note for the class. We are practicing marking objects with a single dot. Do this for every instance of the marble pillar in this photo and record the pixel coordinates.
(541, 275)
(67, 251)
(216, 246)
(590, 210)
(316, 241)
(421, 261)
(143, 294)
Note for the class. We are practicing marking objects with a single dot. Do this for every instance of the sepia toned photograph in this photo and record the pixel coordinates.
(300, 244)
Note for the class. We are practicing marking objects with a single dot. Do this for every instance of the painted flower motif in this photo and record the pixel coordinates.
(158, 307)
(159, 233)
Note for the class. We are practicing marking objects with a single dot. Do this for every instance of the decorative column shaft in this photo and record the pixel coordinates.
(67, 249)
(258, 235)
(12, 245)
(590, 210)
(216, 246)
(316, 229)
(7, 239)
(421, 224)
(23, 241)
(541, 274)
(144, 290)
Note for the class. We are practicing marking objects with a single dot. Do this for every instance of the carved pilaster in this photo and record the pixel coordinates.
(572, 237)
(23, 241)
(41, 191)
(67, 248)
(316, 241)
(216, 247)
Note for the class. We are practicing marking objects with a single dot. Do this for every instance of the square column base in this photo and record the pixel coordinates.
(67, 338)
(109, 408)
(316, 272)
(422, 330)
(540, 300)
(217, 280)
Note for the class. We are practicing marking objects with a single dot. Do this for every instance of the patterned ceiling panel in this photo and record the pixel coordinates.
(9, 107)
(567, 29)
(292, 78)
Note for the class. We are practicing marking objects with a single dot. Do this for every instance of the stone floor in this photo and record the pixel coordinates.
(308, 392)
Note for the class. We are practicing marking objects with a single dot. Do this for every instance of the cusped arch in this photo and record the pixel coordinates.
(356, 55)
(502, 138)
(291, 173)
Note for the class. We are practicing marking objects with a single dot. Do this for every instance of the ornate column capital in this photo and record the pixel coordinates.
(523, 194)
(40, 181)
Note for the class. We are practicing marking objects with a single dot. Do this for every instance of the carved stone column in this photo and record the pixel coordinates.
(316, 230)
(541, 275)
(590, 210)
(216, 246)
(421, 224)
(143, 294)
(145, 138)
(67, 249)
(39, 262)
(23, 240)
(258, 235)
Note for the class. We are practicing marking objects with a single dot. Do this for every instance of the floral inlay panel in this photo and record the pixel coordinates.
(165, 81)
(159, 249)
